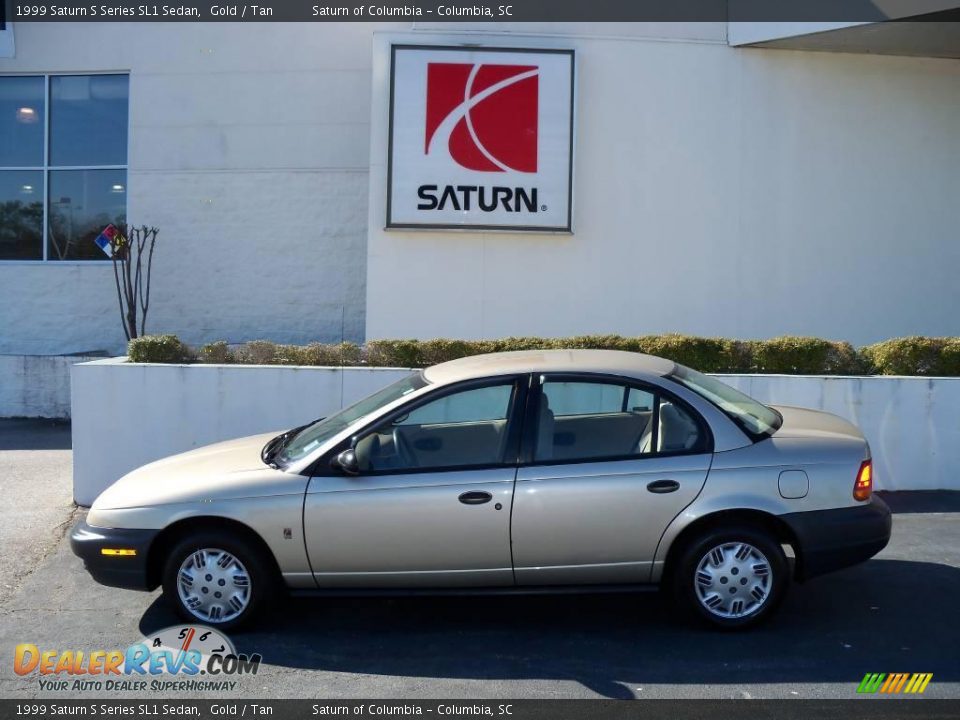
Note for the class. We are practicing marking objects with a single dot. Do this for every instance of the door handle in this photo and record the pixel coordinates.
(475, 497)
(663, 486)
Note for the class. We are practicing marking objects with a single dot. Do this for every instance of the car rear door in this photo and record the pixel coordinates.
(611, 462)
(431, 504)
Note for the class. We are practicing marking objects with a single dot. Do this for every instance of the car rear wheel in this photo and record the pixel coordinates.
(731, 577)
(217, 579)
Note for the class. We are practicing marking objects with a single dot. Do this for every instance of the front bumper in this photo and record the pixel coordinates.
(834, 539)
(122, 571)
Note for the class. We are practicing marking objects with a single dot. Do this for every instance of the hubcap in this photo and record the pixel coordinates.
(733, 580)
(213, 585)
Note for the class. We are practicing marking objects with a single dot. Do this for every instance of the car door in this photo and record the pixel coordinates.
(611, 462)
(430, 506)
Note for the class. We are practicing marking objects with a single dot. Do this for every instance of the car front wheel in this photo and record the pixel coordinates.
(216, 579)
(732, 578)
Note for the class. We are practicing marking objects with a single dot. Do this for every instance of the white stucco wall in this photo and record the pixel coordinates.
(910, 422)
(718, 191)
(128, 414)
(248, 148)
(36, 386)
(745, 33)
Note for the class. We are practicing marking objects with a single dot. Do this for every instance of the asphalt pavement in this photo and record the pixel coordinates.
(36, 496)
(896, 613)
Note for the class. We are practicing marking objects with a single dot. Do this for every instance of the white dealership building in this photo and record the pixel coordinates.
(321, 181)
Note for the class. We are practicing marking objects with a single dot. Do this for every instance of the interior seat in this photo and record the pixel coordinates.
(677, 431)
(545, 429)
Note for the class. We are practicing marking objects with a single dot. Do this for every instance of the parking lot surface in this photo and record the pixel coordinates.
(896, 613)
(36, 498)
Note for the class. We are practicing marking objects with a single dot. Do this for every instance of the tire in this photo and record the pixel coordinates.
(724, 566)
(232, 566)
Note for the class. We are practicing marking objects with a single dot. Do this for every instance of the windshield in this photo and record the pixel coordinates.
(756, 419)
(312, 436)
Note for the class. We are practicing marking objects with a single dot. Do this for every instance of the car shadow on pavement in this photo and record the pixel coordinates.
(884, 615)
(922, 501)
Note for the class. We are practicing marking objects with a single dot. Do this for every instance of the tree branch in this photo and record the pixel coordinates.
(116, 281)
(131, 277)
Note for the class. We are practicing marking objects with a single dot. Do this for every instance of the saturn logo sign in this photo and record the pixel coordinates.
(484, 115)
(480, 138)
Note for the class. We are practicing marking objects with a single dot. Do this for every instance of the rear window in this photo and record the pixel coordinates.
(756, 419)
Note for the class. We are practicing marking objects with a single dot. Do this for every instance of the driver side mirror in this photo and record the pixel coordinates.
(347, 461)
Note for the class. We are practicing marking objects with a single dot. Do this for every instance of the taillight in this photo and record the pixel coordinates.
(863, 487)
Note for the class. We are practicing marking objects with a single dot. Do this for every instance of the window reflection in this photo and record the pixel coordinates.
(21, 214)
(82, 202)
(88, 119)
(83, 120)
(21, 121)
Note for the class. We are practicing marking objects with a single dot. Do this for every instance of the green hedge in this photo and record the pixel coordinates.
(789, 355)
(915, 356)
(158, 349)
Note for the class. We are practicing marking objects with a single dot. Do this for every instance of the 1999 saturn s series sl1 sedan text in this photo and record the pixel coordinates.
(511, 472)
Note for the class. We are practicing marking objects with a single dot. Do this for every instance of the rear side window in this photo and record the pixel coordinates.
(580, 421)
(584, 398)
(756, 419)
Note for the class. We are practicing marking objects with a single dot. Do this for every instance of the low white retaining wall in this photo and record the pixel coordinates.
(126, 414)
(912, 423)
(36, 386)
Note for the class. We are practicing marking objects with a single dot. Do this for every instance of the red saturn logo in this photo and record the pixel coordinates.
(485, 115)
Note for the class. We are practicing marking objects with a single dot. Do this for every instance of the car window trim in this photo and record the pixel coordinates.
(533, 402)
(754, 437)
(518, 399)
(286, 465)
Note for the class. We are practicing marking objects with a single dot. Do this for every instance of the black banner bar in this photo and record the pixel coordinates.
(482, 11)
(865, 708)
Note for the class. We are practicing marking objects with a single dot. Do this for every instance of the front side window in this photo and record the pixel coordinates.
(464, 429)
(580, 421)
(63, 164)
(311, 437)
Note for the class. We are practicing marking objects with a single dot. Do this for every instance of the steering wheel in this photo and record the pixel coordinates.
(404, 451)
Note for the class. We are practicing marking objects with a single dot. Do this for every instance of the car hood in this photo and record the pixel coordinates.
(804, 423)
(225, 470)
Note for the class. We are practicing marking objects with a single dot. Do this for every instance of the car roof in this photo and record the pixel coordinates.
(612, 362)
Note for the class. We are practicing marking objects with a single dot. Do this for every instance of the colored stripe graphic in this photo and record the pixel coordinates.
(870, 682)
(918, 683)
(895, 683)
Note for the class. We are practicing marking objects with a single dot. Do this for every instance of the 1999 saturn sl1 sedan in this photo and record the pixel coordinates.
(510, 472)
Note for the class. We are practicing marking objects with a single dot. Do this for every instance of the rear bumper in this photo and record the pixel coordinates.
(834, 539)
(122, 571)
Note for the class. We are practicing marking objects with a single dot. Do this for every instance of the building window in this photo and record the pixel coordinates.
(63, 164)
(6, 33)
